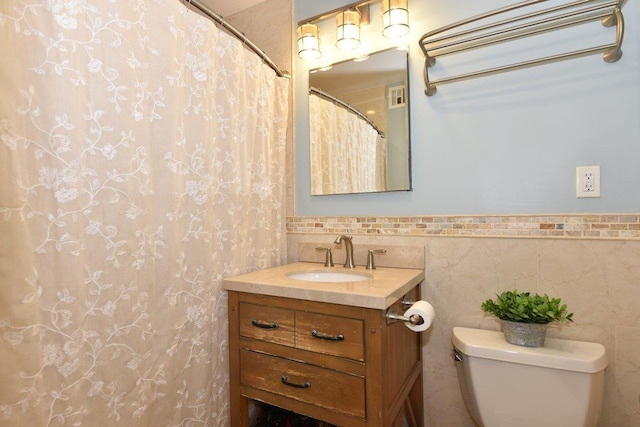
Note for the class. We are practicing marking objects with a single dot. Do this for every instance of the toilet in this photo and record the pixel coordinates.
(505, 385)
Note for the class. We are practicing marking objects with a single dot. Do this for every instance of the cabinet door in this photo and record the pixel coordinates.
(334, 335)
(267, 323)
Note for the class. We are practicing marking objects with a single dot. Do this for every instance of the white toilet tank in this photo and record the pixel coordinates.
(505, 385)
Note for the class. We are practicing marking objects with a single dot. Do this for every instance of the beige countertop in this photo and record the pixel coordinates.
(384, 287)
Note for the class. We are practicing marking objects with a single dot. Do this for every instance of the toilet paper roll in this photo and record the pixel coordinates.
(424, 310)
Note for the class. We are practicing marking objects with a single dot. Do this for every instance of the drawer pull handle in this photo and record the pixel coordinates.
(258, 324)
(327, 337)
(286, 381)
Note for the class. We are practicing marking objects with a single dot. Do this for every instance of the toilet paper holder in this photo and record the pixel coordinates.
(394, 317)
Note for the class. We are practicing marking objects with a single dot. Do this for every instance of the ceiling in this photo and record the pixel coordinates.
(226, 7)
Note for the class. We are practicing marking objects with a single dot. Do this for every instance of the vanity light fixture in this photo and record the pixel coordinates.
(308, 41)
(348, 29)
(395, 18)
(349, 19)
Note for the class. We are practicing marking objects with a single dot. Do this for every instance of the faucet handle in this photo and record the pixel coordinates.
(370, 264)
(328, 261)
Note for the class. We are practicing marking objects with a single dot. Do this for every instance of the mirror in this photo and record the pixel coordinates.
(359, 125)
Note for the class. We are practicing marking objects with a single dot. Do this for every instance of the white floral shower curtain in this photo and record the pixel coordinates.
(141, 161)
(347, 154)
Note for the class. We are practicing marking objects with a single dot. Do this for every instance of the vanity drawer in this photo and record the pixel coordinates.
(267, 323)
(334, 335)
(325, 388)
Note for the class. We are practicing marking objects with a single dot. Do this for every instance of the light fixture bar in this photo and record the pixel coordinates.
(349, 18)
(331, 13)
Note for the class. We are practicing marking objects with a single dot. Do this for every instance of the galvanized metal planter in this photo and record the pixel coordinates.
(524, 334)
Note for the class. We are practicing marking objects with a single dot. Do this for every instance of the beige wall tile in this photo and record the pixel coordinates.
(598, 279)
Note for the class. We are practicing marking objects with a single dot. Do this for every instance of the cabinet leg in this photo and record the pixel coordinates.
(408, 410)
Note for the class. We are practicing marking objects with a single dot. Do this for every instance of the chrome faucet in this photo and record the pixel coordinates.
(348, 246)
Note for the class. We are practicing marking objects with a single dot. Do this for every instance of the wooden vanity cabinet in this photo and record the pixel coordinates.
(336, 363)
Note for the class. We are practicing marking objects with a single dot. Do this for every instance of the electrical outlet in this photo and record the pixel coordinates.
(588, 181)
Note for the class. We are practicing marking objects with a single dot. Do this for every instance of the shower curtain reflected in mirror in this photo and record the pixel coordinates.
(141, 161)
(349, 154)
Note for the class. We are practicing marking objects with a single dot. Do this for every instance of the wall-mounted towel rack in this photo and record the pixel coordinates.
(521, 26)
(339, 102)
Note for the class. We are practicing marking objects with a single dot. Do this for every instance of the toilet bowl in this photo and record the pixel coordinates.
(505, 385)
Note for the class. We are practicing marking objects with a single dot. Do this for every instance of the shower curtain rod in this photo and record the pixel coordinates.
(230, 28)
(343, 104)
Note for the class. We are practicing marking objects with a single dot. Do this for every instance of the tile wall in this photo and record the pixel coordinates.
(592, 262)
(608, 226)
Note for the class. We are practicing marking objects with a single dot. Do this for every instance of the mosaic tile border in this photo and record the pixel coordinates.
(605, 226)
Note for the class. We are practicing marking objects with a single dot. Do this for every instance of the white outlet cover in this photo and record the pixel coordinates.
(587, 181)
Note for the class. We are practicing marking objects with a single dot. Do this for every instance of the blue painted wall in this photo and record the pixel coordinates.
(504, 144)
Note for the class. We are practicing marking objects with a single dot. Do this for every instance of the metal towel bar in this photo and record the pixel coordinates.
(525, 25)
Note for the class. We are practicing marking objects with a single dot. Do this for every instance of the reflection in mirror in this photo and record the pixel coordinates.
(359, 125)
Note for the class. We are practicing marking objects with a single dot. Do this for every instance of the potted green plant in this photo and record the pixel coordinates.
(525, 317)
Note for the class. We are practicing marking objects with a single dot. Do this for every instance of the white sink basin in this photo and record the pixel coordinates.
(328, 276)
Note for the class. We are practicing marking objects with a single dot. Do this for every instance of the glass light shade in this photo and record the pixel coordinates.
(308, 42)
(348, 29)
(395, 18)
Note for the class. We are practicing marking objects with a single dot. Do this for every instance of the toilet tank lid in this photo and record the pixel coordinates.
(567, 355)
